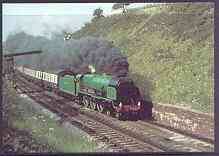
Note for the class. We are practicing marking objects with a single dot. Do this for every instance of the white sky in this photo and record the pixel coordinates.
(36, 18)
(58, 8)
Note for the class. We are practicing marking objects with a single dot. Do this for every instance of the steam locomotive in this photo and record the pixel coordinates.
(104, 93)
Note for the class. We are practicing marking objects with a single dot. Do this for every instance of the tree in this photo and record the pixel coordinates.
(98, 13)
(121, 6)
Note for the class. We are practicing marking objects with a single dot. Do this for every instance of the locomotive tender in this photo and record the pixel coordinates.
(101, 92)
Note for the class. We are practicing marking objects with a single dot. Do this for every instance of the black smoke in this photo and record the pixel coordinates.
(59, 54)
(100, 53)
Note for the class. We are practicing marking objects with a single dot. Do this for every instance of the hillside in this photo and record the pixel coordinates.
(169, 50)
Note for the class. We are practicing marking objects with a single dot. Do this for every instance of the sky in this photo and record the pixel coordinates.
(41, 18)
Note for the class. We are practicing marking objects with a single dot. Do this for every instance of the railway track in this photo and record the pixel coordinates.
(195, 136)
(116, 140)
(120, 135)
(155, 135)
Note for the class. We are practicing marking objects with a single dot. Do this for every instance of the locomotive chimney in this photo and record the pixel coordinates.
(92, 69)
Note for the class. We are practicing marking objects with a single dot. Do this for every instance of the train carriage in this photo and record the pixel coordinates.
(115, 96)
(38, 75)
(50, 79)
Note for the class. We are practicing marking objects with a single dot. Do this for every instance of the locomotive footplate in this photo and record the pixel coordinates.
(129, 109)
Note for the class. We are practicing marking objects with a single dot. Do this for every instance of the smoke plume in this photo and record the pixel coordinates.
(99, 53)
(74, 54)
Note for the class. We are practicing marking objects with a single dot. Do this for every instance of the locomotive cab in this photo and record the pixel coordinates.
(129, 94)
(129, 102)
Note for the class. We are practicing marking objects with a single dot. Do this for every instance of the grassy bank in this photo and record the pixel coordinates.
(24, 116)
(169, 49)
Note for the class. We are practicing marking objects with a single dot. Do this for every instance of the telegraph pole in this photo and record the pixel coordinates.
(9, 65)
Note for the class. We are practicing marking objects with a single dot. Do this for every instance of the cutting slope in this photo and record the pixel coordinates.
(169, 49)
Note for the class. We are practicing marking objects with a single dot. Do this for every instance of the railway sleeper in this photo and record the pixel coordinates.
(111, 135)
(131, 144)
(108, 131)
(118, 142)
(114, 144)
(97, 137)
(134, 148)
(119, 150)
(115, 137)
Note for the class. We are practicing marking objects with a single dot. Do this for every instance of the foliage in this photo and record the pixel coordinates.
(169, 49)
(120, 6)
(24, 115)
(98, 13)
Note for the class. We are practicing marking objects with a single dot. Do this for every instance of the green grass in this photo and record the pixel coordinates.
(57, 138)
(40, 125)
(169, 50)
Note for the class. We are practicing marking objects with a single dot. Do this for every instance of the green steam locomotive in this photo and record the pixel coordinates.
(115, 96)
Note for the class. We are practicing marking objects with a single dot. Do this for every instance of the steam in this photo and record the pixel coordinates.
(97, 52)
(86, 54)
(92, 68)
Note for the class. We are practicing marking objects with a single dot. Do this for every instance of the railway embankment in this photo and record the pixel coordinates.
(15, 139)
(184, 120)
(45, 127)
(195, 123)
(170, 56)
(164, 138)
(170, 51)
